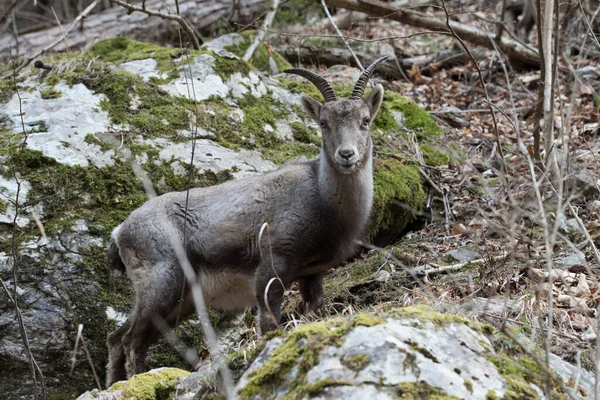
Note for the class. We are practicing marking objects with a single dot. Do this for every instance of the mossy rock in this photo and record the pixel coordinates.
(154, 385)
(290, 366)
(104, 196)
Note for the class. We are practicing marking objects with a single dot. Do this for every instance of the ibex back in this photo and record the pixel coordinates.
(316, 210)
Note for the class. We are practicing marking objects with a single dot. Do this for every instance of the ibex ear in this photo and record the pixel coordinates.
(374, 100)
(312, 107)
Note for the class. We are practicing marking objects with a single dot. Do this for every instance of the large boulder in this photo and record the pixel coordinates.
(407, 353)
(74, 143)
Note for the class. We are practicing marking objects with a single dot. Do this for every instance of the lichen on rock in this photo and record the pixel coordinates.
(404, 356)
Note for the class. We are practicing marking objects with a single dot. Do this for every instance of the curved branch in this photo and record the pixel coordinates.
(172, 17)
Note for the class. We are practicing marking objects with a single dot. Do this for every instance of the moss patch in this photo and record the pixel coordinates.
(520, 372)
(121, 50)
(357, 362)
(415, 117)
(305, 134)
(50, 93)
(426, 314)
(433, 156)
(320, 385)
(398, 193)
(262, 56)
(225, 67)
(146, 108)
(290, 353)
(366, 320)
(422, 390)
(151, 385)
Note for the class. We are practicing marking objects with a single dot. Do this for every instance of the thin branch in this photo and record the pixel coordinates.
(358, 63)
(35, 369)
(172, 17)
(63, 37)
(261, 33)
(9, 11)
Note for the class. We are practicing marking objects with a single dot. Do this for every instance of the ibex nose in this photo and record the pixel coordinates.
(346, 154)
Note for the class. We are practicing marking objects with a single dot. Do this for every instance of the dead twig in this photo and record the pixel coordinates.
(358, 63)
(74, 24)
(172, 17)
(35, 369)
(432, 269)
(260, 35)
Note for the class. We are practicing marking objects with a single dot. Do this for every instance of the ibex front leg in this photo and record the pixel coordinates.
(311, 289)
(270, 286)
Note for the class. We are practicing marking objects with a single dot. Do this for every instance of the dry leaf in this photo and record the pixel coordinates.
(460, 229)
(586, 90)
(581, 322)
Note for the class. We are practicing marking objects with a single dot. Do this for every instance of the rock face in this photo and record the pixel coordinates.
(410, 353)
(74, 147)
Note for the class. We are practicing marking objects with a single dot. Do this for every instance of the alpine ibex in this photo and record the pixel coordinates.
(316, 210)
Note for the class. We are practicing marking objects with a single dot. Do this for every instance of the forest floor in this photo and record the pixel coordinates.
(492, 244)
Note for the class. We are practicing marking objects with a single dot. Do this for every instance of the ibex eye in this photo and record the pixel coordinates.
(366, 121)
(323, 123)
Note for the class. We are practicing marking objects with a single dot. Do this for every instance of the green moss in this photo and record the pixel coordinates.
(151, 385)
(422, 390)
(366, 320)
(147, 109)
(491, 395)
(290, 353)
(121, 49)
(320, 385)
(290, 151)
(398, 193)
(262, 55)
(8, 89)
(225, 67)
(251, 132)
(305, 134)
(50, 93)
(469, 385)
(357, 362)
(520, 372)
(433, 156)
(258, 112)
(90, 138)
(426, 314)
(3, 206)
(415, 117)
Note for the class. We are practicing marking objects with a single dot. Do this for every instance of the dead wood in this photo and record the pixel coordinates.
(516, 52)
(310, 54)
(117, 21)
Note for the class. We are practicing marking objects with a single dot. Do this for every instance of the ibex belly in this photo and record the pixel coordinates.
(227, 291)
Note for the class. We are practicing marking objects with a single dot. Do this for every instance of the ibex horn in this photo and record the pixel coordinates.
(361, 84)
(317, 80)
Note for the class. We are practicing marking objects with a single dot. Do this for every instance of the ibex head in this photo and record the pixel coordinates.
(345, 123)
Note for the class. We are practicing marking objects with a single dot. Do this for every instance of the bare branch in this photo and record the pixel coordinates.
(513, 49)
(261, 32)
(75, 22)
(172, 17)
(358, 63)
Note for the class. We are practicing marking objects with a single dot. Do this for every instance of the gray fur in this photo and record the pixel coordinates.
(316, 211)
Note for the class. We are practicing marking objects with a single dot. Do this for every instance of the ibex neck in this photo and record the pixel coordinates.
(350, 195)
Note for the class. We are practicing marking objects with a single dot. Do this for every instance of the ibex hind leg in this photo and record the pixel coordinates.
(115, 370)
(156, 299)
